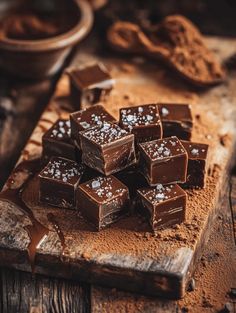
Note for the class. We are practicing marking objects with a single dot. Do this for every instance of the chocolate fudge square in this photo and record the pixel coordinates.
(58, 182)
(57, 142)
(197, 164)
(87, 118)
(164, 205)
(163, 161)
(103, 200)
(143, 121)
(107, 148)
(90, 85)
(176, 120)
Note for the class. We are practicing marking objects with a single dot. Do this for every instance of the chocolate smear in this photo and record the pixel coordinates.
(52, 219)
(37, 232)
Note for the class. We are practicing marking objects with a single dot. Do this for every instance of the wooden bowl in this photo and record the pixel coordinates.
(43, 57)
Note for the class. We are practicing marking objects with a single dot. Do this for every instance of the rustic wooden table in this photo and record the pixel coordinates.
(21, 292)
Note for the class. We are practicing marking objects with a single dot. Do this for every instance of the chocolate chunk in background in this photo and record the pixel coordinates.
(143, 121)
(163, 161)
(57, 142)
(103, 200)
(176, 120)
(107, 148)
(163, 205)
(197, 164)
(58, 182)
(87, 118)
(89, 85)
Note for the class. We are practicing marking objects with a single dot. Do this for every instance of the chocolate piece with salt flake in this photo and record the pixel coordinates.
(163, 161)
(176, 120)
(57, 142)
(90, 85)
(103, 200)
(59, 181)
(87, 118)
(107, 148)
(143, 121)
(164, 205)
(197, 164)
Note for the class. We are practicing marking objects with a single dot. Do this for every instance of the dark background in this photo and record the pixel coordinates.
(213, 17)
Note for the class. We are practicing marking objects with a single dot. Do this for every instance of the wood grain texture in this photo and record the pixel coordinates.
(22, 293)
(111, 300)
(24, 102)
(167, 269)
(232, 203)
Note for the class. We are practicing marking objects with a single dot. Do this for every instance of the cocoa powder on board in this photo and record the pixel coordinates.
(177, 42)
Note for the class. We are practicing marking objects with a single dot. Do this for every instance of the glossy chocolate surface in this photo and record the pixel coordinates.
(164, 205)
(176, 120)
(107, 148)
(57, 142)
(197, 164)
(87, 118)
(103, 200)
(58, 182)
(143, 121)
(90, 85)
(163, 161)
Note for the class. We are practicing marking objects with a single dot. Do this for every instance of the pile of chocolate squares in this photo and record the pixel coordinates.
(106, 168)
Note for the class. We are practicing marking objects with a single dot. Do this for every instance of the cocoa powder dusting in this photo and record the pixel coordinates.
(131, 236)
(177, 42)
(210, 288)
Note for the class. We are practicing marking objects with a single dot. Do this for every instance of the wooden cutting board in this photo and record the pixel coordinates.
(127, 255)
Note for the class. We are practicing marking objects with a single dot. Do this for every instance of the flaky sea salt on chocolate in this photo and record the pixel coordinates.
(143, 121)
(57, 142)
(107, 148)
(176, 120)
(163, 161)
(58, 182)
(197, 164)
(164, 205)
(103, 200)
(88, 118)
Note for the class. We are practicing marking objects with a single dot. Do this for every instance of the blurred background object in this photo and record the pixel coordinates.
(212, 17)
(37, 36)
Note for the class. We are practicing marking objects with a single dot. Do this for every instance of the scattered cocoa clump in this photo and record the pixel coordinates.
(86, 256)
(177, 42)
(225, 140)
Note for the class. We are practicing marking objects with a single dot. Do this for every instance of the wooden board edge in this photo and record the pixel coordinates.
(222, 193)
(160, 282)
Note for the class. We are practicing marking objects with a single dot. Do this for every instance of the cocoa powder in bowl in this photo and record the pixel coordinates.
(42, 35)
(35, 22)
